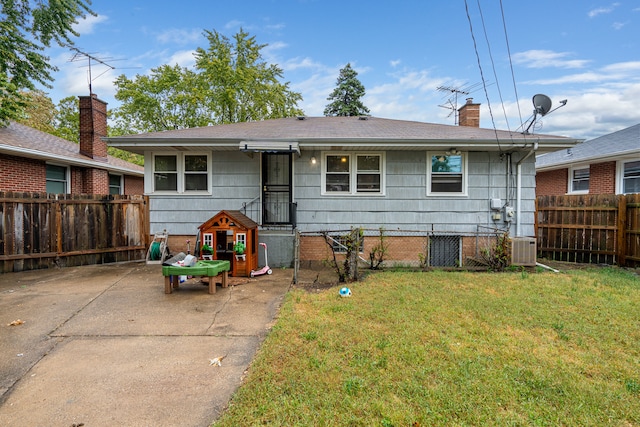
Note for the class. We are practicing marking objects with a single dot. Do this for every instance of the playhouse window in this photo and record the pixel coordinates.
(351, 173)
(446, 174)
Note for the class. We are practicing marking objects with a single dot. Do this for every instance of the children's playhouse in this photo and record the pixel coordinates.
(227, 234)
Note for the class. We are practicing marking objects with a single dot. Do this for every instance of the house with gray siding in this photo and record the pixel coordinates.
(312, 174)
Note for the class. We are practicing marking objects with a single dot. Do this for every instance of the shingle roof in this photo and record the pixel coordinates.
(621, 143)
(335, 130)
(24, 141)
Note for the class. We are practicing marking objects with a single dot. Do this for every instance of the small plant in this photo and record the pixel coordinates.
(239, 248)
(206, 249)
(378, 251)
(497, 257)
(348, 269)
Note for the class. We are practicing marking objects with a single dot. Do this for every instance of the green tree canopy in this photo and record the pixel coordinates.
(27, 27)
(231, 83)
(346, 97)
(168, 98)
(239, 84)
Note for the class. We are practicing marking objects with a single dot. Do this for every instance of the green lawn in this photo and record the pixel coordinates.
(452, 348)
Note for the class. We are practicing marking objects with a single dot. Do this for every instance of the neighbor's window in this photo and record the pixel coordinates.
(352, 173)
(115, 184)
(339, 244)
(579, 180)
(446, 174)
(165, 173)
(57, 179)
(181, 173)
(631, 177)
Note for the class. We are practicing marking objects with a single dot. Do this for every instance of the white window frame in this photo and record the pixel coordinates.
(352, 157)
(620, 174)
(67, 176)
(181, 172)
(570, 180)
(465, 175)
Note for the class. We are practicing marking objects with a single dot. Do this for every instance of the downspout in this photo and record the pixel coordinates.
(519, 188)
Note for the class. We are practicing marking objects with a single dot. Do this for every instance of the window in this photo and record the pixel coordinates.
(351, 173)
(579, 180)
(115, 184)
(631, 177)
(339, 244)
(195, 173)
(446, 174)
(57, 182)
(181, 173)
(165, 173)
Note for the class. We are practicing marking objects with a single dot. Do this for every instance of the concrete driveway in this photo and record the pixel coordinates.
(105, 346)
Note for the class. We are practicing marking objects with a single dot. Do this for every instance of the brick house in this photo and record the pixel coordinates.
(609, 164)
(35, 161)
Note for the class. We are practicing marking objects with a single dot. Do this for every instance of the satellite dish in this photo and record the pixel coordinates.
(542, 104)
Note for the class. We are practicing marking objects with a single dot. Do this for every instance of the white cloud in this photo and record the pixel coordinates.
(183, 58)
(547, 58)
(179, 36)
(602, 10)
(87, 25)
(618, 25)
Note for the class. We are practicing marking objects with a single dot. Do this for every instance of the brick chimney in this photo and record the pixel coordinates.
(469, 114)
(93, 126)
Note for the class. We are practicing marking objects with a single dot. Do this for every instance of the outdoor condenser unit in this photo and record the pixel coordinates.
(523, 251)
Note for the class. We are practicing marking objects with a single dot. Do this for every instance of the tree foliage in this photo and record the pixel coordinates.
(168, 98)
(231, 83)
(39, 111)
(346, 97)
(239, 84)
(27, 27)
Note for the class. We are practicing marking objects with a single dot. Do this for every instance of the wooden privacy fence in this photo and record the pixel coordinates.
(602, 229)
(40, 230)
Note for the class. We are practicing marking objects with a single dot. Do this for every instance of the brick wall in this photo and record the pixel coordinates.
(552, 183)
(133, 185)
(602, 178)
(22, 174)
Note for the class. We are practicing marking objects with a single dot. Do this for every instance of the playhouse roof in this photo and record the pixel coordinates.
(236, 217)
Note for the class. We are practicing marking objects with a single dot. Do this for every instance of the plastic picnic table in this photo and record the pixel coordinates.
(210, 269)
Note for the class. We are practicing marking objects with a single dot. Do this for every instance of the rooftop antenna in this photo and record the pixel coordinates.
(80, 55)
(452, 104)
(542, 107)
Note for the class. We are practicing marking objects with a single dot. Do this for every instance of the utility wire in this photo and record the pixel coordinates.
(513, 76)
(484, 82)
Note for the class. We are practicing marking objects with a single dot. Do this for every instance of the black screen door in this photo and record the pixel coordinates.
(276, 188)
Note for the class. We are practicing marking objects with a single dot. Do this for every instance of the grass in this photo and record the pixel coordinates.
(452, 348)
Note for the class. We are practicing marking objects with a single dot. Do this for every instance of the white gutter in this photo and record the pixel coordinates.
(519, 188)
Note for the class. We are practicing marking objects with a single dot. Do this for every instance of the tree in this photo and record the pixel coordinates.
(169, 98)
(346, 96)
(67, 119)
(239, 85)
(39, 111)
(27, 27)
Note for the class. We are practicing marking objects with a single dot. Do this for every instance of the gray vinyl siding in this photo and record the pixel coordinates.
(404, 205)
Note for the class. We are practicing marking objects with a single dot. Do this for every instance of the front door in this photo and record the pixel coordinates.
(276, 188)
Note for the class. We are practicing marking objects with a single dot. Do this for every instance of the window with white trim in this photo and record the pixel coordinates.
(57, 179)
(446, 174)
(353, 173)
(579, 180)
(631, 177)
(181, 173)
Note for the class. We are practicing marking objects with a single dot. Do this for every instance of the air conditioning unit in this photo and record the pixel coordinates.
(523, 251)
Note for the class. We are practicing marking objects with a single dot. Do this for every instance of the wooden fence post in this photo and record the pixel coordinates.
(622, 230)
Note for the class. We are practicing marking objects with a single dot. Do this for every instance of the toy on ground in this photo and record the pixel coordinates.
(345, 292)
(265, 269)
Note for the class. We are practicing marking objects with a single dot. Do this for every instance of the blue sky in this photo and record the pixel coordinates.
(584, 51)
